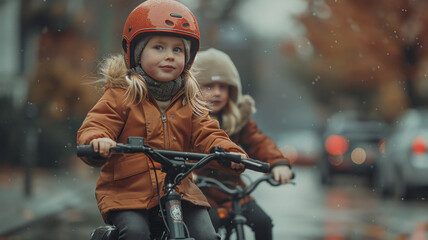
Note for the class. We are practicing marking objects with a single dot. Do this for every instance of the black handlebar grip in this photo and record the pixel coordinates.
(86, 151)
(256, 165)
(233, 157)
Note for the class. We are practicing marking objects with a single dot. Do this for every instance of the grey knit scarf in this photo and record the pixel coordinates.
(161, 91)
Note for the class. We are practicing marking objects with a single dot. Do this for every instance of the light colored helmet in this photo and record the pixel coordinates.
(213, 65)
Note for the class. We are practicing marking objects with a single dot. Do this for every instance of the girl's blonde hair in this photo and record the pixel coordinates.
(115, 74)
(231, 116)
(137, 92)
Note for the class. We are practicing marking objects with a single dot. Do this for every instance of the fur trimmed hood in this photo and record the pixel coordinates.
(246, 107)
(114, 72)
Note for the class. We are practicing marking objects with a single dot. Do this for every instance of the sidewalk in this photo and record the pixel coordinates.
(53, 191)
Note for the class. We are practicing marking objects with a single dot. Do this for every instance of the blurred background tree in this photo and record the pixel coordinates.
(364, 54)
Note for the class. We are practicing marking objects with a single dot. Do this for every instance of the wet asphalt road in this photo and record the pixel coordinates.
(348, 209)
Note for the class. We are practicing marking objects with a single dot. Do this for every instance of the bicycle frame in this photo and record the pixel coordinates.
(238, 219)
(176, 167)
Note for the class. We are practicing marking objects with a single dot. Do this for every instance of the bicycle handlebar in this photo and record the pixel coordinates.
(202, 182)
(136, 145)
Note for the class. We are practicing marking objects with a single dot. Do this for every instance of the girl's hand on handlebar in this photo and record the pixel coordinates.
(102, 146)
(237, 166)
(282, 174)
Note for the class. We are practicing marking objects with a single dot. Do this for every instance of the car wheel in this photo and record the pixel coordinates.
(385, 191)
(381, 185)
(401, 190)
(325, 176)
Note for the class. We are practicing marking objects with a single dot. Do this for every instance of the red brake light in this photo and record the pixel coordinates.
(336, 145)
(419, 145)
(382, 145)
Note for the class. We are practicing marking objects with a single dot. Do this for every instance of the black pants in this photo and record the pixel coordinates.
(136, 224)
(257, 219)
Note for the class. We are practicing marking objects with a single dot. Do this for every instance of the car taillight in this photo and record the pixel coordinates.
(419, 145)
(382, 145)
(336, 145)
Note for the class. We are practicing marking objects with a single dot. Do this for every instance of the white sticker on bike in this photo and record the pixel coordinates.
(175, 212)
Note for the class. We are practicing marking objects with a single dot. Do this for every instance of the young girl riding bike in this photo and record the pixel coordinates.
(221, 86)
(149, 92)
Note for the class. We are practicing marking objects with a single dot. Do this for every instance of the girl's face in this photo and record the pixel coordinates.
(217, 95)
(163, 58)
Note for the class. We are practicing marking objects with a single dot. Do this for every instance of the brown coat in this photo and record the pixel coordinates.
(128, 181)
(258, 146)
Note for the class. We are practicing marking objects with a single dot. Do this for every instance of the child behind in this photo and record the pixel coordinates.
(149, 92)
(221, 85)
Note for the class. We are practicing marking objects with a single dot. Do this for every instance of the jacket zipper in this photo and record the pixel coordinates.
(165, 130)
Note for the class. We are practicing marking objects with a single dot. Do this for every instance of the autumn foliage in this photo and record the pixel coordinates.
(373, 50)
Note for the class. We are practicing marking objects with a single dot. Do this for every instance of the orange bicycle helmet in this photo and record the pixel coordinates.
(159, 17)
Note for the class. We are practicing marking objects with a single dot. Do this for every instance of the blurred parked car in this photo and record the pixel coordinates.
(353, 143)
(405, 165)
(301, 147)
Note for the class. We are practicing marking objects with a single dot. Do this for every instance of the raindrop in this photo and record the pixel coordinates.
(387, 54)
(59, 30)
(338, 205)
(78, 98)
